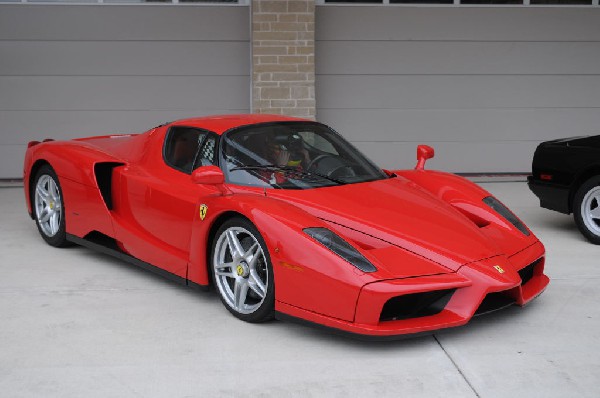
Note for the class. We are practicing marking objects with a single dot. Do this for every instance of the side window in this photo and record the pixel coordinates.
(206, 157)
(181, 146)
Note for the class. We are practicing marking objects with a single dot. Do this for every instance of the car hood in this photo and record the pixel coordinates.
(401, 213)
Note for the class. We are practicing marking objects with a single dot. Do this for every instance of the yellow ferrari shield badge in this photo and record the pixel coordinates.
(499, 269)
(203, 210)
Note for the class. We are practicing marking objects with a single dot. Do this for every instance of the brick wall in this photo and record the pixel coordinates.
(283, 57)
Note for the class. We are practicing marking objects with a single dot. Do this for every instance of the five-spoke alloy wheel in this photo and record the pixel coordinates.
(242, 271)
(586, 209)
(48, 207)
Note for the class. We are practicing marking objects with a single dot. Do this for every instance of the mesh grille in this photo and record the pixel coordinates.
(208, 150)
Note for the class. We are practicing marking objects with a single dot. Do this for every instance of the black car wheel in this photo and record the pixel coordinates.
(586, 209)
(242, 271)
(49, 207)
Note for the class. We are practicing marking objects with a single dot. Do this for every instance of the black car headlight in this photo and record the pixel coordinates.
(340, 247)
(507, 214)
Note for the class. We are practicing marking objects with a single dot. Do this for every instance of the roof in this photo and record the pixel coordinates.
(221, 123)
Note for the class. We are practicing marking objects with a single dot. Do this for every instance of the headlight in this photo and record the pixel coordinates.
(340, 247)
(507, 214)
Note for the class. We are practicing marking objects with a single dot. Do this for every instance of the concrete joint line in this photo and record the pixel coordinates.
(457, 367)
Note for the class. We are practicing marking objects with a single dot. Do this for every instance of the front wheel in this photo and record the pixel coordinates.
(48, 207)
(586, 209)
(242, 271)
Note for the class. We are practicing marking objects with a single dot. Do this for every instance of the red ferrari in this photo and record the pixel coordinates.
(286, 219)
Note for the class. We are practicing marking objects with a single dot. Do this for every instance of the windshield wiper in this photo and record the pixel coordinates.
(287, 169)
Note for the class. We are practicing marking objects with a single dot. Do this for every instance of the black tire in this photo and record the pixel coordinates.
(585, 202)
(244, 274)
(57, 238)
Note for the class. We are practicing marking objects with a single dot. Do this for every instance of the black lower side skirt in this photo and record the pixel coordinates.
(107, 245)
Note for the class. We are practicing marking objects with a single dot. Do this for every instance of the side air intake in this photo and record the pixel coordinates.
(103, 173)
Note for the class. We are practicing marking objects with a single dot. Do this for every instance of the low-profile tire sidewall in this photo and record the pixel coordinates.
(60, 238)
(577, 201)
(267, 309)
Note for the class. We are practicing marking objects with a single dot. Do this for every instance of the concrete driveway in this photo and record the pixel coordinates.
(75, 323)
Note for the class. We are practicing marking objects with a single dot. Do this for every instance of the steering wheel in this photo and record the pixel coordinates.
(349, 171)
(318, 159)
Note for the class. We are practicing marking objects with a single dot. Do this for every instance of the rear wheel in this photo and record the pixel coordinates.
(586, 209)
(48, 207)
(242, 271)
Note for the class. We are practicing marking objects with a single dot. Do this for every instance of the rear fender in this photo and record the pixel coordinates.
(69, 159)
(75, 165)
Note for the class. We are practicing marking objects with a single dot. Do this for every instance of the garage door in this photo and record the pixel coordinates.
(72, 71)
(482, 85)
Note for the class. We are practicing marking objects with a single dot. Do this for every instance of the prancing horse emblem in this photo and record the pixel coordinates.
(499, 269)
(203, 210)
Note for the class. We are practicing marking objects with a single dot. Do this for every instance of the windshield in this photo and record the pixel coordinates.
(293, 155)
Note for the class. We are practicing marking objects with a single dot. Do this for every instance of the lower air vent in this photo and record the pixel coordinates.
(415, 305)
(527, 273)
(494, 302)
(103, 240)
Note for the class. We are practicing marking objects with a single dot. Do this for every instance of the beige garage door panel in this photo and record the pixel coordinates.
(123, 22)
(123, 58)
(463, 23)
(456, 58)
(123, 92)
(454, 156)
(38, 125)
(461, 125)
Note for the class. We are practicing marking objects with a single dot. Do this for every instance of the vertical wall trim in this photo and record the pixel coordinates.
(283, 57)
(251, 52)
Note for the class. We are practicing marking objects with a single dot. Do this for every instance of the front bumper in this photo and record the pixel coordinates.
(478, 287)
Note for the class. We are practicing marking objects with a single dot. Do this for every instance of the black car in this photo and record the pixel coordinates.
(566, 178)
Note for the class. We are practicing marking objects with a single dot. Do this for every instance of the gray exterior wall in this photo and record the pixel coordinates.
(76, 71)
(482, 85)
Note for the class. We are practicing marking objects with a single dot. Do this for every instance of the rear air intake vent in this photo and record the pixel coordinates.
(415, 305)
(103, 172)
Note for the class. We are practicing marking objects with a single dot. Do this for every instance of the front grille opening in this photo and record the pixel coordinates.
(494, 302)
(415, 305)
(527, 273)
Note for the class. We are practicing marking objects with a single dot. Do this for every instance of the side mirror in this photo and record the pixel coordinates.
(208, 175)
(424, 152)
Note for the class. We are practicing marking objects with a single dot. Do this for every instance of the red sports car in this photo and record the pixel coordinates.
(286, 219)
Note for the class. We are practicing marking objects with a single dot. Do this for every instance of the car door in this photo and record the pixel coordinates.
(159, 200)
